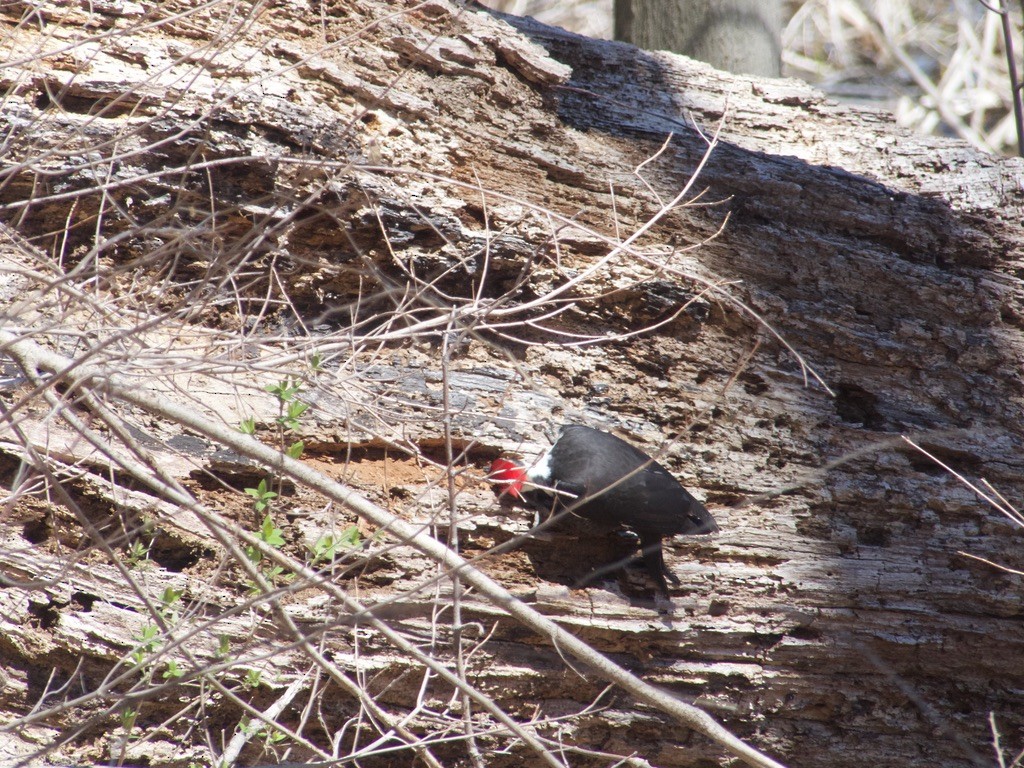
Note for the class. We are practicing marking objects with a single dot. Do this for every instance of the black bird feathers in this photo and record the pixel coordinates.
(603, 478)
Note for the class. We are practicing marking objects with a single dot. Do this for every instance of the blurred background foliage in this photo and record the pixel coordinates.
(939, 67)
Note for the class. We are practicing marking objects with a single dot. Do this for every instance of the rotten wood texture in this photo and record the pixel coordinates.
(364, 182)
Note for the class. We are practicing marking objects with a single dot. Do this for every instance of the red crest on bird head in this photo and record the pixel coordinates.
(509, 475)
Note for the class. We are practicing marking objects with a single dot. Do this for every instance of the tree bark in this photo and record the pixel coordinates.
(453, 230)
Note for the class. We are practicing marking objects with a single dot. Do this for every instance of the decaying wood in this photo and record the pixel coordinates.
(202, 197)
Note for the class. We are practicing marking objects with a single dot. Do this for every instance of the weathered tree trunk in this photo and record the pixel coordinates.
(742, 36)
(426, 216)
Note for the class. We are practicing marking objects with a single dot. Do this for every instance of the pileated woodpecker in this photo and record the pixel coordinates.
(601, 477)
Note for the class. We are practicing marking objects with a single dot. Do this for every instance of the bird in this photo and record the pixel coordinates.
(600, 477)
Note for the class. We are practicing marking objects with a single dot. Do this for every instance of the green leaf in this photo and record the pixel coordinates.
(261, 495)
(148, 641)
(295, 449)
(270, 533)
(284, 391)
(276, 737)
(148, 634)
(137, 552)
(272, 573)
(247, 426)
(351, 537)
(128, 716)
(324, 549)
(328, 545)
